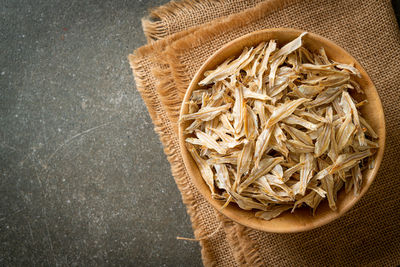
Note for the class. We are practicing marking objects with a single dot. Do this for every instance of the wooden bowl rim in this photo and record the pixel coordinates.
(260, 224)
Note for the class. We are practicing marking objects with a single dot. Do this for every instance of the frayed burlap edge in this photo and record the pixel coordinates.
(170, 97)
(161, 19)
(222, 25)
(165, 84)
(244, 250)
(162, 128)
(155, 27)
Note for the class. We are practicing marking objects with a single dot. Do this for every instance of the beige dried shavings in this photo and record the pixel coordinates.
(277, 128)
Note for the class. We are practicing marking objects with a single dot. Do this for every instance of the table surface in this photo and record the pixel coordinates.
(84, 180)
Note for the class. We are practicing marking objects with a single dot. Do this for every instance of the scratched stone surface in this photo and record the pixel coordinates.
(83, 178)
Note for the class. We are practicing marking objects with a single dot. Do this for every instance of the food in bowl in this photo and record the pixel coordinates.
(277, 128)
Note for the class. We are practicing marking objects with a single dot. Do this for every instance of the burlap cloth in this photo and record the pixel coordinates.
(183, 35)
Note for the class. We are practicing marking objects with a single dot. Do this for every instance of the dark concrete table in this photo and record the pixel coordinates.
(84, 180)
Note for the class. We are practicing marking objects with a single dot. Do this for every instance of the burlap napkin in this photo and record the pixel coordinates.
(183, 35)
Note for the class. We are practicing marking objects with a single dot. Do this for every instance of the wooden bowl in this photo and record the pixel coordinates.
(302, 219)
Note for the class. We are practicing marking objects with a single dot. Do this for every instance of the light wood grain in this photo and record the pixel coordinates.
(301, 219)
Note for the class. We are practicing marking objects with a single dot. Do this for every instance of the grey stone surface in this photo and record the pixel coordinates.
(83, 177)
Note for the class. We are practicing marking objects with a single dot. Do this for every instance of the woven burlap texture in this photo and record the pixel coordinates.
(179, 16)
(368, 234)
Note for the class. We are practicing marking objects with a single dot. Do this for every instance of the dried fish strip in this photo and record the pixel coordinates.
(206, 113)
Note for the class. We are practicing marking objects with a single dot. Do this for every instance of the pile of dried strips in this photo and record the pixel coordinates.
(274, 129)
